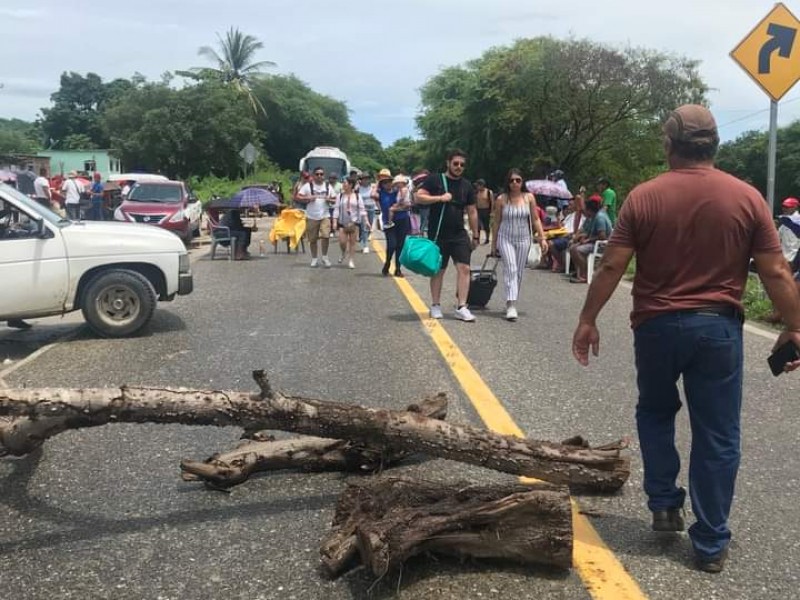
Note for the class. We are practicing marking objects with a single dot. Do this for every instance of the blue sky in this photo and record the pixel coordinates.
(372, 54)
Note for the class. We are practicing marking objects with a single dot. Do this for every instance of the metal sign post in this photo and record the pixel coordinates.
(771, 56)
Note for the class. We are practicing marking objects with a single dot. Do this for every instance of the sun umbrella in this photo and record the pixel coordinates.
(545, 187)
(252, 198)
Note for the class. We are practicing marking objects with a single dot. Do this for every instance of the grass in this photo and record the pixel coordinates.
(223, 187)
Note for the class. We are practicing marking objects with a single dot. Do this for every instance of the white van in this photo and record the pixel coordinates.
(327, 158)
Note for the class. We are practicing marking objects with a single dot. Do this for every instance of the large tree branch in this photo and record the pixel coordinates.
(601, 469)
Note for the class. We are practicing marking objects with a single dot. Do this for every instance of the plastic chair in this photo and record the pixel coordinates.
(221, 236)
(290, 226)
(596, 255)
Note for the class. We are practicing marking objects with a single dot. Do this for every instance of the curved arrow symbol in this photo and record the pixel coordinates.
(782, 40)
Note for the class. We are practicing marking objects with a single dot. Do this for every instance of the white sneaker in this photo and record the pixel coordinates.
(350, 265)
(326, 262)
(464, 314)
(341, 259)
(436, 311)
(511, 313)
(365, 250)
(314, 262)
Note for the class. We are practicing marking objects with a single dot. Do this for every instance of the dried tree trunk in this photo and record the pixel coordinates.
(382, 522)
(597, 469)
(308, 454)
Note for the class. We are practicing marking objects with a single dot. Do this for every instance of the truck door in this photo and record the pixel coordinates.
(34, 273)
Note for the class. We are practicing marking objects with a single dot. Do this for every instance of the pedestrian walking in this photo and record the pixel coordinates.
(515, 220)
(72, 196)
(693, 230)
(97, 198)
(483, 202)
(318, 197)
(349, 216)
(395, 203)
(450, 195)
(365, 191)
(41, 187)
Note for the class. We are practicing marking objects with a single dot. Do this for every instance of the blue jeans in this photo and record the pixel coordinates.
(706, 349)
(364, 237)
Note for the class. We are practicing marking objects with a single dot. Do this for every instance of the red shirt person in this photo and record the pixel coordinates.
(693, 230)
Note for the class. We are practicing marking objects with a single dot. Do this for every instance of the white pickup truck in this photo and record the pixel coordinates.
(113, 272)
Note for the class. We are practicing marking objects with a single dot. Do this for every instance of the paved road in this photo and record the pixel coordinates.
(102, 513)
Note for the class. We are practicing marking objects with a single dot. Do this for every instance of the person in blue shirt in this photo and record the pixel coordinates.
(596, 226)
(395, 203)
(96, 192)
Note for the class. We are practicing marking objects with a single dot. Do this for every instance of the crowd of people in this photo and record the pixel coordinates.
(435, 206)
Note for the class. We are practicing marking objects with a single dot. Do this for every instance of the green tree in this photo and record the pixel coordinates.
(18, 137)
(542, 103)
(197, 130)
(746, 158)
(299, 119)
(235, 63)
(77, 108)
(408, 155)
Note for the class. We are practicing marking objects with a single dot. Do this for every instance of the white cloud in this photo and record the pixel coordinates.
(22, 13)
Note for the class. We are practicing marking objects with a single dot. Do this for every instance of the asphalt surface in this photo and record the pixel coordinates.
(102, 513)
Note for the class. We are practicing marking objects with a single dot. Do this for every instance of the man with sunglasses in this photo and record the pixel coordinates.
(449, 195)
(318, 196)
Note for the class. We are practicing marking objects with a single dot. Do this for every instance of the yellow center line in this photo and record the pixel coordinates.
(601, 572)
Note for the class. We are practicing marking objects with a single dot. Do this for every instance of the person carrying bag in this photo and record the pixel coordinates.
(422, 255)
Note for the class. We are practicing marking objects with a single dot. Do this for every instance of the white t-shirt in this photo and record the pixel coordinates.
(318, 209)
(41, 187)
(72, 192)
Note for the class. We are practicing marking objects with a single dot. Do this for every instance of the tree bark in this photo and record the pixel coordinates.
(383, 521)
(307, 454)
(596, 469)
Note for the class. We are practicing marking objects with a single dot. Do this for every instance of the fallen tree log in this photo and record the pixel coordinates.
(602, 469)
(307, 454)
(383, 521)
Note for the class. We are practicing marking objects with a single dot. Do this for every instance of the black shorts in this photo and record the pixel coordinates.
(458, 248)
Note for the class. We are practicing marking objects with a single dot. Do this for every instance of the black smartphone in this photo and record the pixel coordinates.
(788, 352)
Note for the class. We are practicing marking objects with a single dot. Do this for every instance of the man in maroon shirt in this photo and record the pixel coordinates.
(693, 230)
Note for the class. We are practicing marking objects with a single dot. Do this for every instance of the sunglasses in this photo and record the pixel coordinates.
(515, 180)
(456, 163)
(319, 174)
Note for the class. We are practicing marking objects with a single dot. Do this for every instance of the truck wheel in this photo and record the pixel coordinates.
(118, 303)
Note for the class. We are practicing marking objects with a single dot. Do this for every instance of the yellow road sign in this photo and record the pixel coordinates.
(770, 53)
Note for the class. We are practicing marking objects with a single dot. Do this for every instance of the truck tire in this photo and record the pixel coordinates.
(118, 303)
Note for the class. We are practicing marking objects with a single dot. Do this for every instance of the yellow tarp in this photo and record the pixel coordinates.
(549, 234)
(291, 223)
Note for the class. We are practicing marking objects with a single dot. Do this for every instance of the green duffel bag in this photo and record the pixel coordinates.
(422, 256)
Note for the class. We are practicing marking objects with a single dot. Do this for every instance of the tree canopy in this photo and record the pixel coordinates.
(746, 157)
(544, 103)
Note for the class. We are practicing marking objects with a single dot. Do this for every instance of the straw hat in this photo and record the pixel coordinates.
(384, 174)
(400, 180)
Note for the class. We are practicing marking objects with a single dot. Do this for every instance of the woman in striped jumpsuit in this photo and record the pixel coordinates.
(514, 217)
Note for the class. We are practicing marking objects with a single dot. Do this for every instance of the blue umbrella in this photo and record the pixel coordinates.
(252, 198)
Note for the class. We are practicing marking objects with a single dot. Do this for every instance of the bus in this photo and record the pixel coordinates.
(327, 158)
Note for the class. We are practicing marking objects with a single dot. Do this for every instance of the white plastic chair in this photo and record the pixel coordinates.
(594, 255)
(597, 254)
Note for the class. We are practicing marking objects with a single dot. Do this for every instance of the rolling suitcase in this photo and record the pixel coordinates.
(482, 283)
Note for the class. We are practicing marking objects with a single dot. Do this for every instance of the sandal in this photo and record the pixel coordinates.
(577, 280)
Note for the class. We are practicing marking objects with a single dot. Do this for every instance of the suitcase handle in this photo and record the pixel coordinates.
(486, 261)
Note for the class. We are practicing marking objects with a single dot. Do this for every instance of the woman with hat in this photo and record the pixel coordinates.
(394, 200)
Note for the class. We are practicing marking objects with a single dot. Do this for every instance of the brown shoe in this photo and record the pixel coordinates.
(714, 564)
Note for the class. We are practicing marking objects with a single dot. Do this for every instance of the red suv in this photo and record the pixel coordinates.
(167, 204)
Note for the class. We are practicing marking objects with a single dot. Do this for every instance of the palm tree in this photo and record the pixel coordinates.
(234, 62)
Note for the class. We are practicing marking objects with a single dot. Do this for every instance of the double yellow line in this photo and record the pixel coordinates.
(601, 572)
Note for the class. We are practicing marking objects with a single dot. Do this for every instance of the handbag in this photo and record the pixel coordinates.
(421, 255)
(535, 253)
